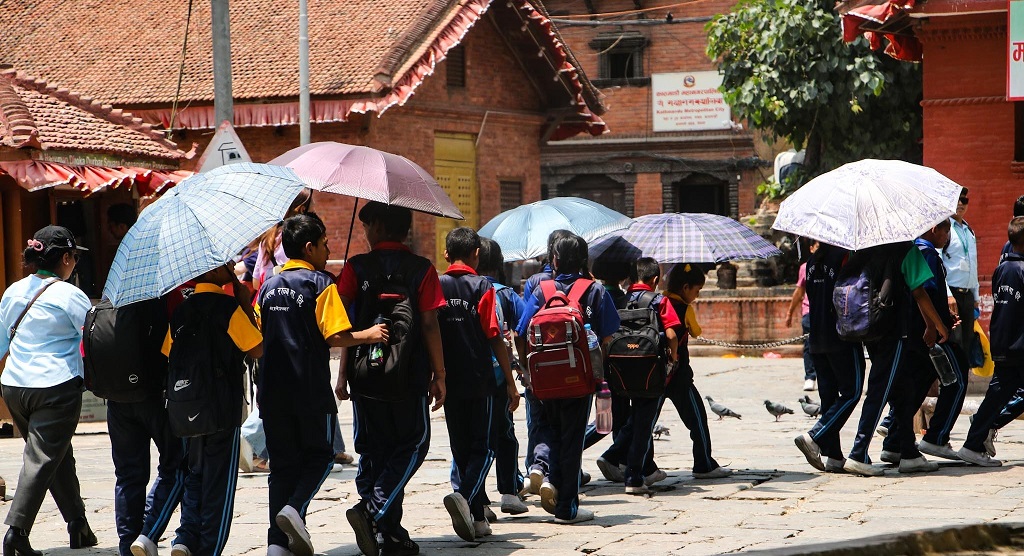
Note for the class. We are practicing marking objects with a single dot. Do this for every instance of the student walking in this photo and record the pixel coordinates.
(471, 337)
(392, 425)
(302, 317)
(1007, 337)
(210, 334)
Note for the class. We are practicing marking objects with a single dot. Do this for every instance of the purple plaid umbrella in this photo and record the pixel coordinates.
(682, 238)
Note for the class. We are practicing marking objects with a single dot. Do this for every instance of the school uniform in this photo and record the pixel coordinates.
(683, 394)
(839, 365)
(568, 418)
(299, 309)
(392, 437)
(503, 433)
(620, 404)
(889, 354)
(208, 500)
(634, 442)
(1007, 342)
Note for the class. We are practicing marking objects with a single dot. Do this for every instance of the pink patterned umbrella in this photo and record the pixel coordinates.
(369, 174)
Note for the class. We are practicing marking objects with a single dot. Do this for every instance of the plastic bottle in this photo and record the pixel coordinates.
(378, 351)
(603, 406)
(596, 355)
(942, 366)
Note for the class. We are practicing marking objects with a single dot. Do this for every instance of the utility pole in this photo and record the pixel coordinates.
(223, 108)
(303, 73)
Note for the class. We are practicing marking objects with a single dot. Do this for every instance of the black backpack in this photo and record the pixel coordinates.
(123, 362)
(865, 298)
(636, 361)
(204, 371)
(386, 295)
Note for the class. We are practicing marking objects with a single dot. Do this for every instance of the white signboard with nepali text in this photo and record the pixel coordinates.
(689, 101)
(1015, 51)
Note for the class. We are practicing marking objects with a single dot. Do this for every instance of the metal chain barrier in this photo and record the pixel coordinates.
(768, 345)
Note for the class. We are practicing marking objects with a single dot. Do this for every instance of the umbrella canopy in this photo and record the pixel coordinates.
(523, 231)
(369, 174)
(682, 238)
(196, 227)
(868, 203)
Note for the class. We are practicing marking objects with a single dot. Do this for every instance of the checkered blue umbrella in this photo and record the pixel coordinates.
(197, 226)
(682, 238)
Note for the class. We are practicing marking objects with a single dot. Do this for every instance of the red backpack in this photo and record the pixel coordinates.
(559, 359)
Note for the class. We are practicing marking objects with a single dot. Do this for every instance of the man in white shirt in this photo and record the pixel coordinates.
(960, 258)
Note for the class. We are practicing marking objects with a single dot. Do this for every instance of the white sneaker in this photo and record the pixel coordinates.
(945, 452)
(180, 550)
(978, 458)
(611, 471)
(581, 516)
(833, 465)
(865, 469)
(536, 480)
(512, 504)
(809, 385)
(716, 473)
(462, 518)
(890, 457)
(289, 520)
(548, 497)
(144, 547)
(481, 528)
(810, 450)
(990, 442)
(278, 550)
(918, 465)
(656, 477)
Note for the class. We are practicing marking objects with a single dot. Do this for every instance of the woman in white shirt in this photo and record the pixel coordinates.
(42, 385)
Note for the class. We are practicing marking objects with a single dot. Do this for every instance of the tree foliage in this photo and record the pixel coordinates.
(787, 70)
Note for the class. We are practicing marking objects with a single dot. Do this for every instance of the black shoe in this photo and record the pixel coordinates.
(16, 543)
(395, 547)
(584, 478)
(365, 529)
(80, 533)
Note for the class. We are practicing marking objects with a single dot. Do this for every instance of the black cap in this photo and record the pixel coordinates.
(55, 237)
(376, 210)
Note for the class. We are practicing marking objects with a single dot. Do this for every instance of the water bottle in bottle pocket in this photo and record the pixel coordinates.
(603, 406)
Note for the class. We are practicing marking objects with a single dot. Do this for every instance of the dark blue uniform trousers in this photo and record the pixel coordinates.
(951, 398)
(840, 382)
(131, 427)
(469, 434)
(301, 449)
(209, 499)
(568, 419)
(634, 440)
(1009, 376)
(913, 380)
(505, 445)
(683, 394)
(539, 435)
(392, 439)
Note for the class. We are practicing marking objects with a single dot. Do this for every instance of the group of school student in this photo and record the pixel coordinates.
(902, 372)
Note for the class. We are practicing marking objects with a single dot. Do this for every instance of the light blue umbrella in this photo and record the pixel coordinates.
(523, 231)
(197, 226)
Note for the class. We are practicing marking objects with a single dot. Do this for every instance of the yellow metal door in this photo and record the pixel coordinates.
(455, 170)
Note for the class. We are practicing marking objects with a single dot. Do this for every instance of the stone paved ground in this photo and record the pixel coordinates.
(774, 501)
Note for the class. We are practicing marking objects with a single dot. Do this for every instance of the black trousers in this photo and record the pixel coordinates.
(47, 418)
(469, 434)
(208, 502)
(505, 445)
(635, 440)
(301, 449)
(568, 419)
(683, 394)
(132, 426)
(886, 357)
(392, 439)
(539, 435)
(913, 380)
(620, 416)
(951, 398)
(1010, 375)
(840, 383)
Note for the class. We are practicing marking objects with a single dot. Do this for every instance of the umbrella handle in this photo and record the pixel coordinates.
(351, 226)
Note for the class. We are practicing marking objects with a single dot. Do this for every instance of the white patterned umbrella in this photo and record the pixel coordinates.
(868, 203)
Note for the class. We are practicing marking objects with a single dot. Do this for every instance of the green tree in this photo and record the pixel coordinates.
(787, 71)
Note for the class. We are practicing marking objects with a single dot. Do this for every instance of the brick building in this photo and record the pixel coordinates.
(467, 89)
(649, 163)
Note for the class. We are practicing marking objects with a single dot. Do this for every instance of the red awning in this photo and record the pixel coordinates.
(890, 20)
(35, 174)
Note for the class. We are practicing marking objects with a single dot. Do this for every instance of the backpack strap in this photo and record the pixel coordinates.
(548, 290)
(578, 289)
(14, 329)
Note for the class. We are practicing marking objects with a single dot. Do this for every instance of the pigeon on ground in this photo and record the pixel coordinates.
(721, 410)
(659, 430)
(777, 409)
(810, 408)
